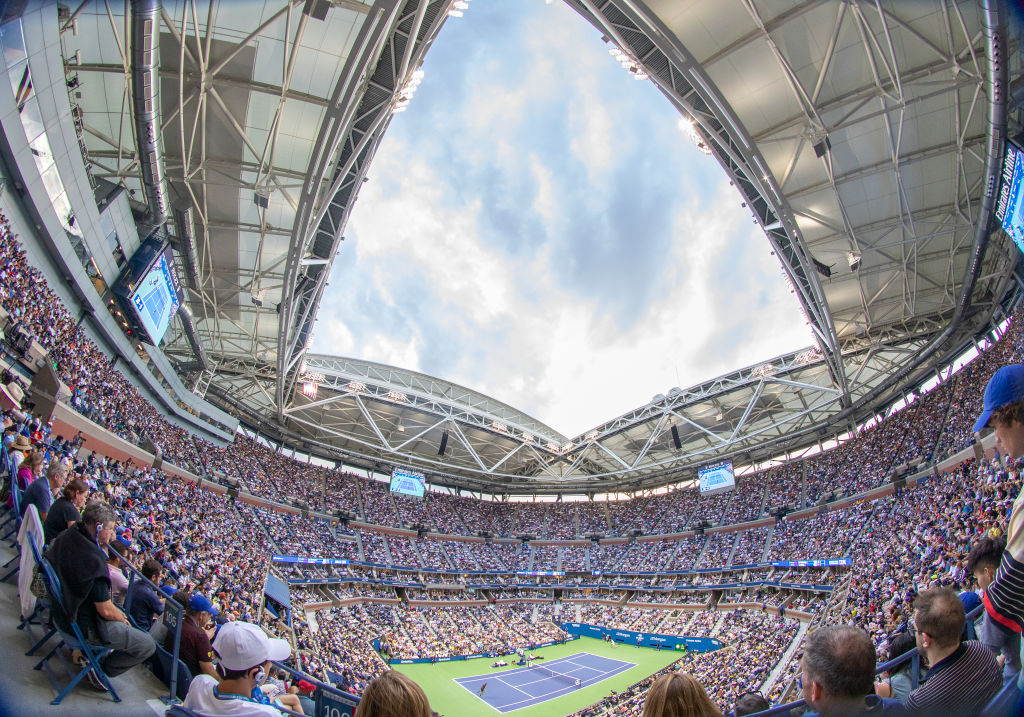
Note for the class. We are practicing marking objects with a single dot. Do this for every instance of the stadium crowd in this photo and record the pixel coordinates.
(903, 546)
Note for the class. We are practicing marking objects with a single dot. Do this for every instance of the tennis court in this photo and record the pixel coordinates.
(509, 690)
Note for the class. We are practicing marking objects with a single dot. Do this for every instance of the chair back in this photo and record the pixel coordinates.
(51, 581)
(162, 662)
(1005, 703)
(16, 498)
(180, 711)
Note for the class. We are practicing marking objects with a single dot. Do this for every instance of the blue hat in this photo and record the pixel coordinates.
(198, 603)
(1005, 386)
(970, 600)
(168, 590)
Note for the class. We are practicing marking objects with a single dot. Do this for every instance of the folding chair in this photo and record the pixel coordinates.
(39, 615)
(162, 661)
(180, 711)
(1006, 703)
(13, 514)
(74, 640)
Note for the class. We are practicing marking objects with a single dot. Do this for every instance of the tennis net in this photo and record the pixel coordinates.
(545, 670)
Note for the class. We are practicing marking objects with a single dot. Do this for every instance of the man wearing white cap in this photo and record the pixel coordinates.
(242, 649)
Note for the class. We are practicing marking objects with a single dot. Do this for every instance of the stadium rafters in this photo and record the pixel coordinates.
(862, 136)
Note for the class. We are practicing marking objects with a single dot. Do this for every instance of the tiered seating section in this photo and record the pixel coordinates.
(221, 547)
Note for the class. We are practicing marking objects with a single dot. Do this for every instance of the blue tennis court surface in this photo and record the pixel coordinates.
(509, 690)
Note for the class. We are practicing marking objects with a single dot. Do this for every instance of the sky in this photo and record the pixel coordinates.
(537, 227)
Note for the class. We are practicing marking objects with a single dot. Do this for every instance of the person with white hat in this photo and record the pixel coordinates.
(242, 651)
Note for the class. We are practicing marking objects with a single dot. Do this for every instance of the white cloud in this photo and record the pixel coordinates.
(428, 284)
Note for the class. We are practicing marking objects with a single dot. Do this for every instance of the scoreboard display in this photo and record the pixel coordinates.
(717, 478)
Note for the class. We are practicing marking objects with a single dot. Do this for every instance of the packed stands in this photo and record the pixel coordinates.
(898, 541)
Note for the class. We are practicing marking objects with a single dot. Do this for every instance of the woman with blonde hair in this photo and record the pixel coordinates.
(677, 694)
(392, 694)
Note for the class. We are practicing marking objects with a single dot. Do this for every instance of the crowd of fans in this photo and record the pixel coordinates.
(901, 545)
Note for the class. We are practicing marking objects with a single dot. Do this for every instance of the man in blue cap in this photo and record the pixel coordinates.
(195, 651)
(1004, 412)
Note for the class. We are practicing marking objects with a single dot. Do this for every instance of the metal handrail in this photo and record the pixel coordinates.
(178, 612)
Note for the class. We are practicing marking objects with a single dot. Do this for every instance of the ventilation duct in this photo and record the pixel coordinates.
(188, 324)
(146, 103)
(187, 245)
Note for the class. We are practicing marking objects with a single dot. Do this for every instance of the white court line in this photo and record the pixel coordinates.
(540, 698)
(620, 667)
(490, 678)
(492, 707)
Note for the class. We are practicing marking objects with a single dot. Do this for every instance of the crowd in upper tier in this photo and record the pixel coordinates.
(900, 544)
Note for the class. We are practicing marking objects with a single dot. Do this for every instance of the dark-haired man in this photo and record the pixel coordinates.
(750, 703)
(839, 672)
(146, 604)
(982, 563)
(962, 677)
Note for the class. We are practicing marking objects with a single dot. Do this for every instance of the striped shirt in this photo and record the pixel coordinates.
(959, 685)
(1004, 599)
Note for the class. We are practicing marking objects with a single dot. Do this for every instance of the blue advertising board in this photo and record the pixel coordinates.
(645, 639)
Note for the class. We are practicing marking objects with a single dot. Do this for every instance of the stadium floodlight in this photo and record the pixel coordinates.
(356, 386)
(592, 436)
(457, 7)
(527, 438)
(552, 446)
(688, 127)
(309, 390)
(397, 396)
(567, 447)
(809, 356)
(764, 370)
(404, 96)
(500, 427)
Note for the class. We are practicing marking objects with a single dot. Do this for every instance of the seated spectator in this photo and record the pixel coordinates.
(65, 510)
(146, 604)
(195, 649)
(392, 694)
(839, 671)
(750, 703)
(677, 694)
(243, 650)
(962, 677)
(304, 691)
(80, 564)
(118, 582)
(40, 491)
(898, 684)
(983, 562)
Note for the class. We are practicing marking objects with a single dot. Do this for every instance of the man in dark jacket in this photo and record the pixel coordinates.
(80, 561)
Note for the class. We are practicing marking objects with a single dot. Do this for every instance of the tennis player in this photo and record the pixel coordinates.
(482, 688)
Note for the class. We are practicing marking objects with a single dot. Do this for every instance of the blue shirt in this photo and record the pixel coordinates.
(37, 494)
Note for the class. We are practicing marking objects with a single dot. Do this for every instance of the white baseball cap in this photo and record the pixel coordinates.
(242, 645)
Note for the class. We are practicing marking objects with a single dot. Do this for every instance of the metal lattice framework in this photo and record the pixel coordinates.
(860, 135)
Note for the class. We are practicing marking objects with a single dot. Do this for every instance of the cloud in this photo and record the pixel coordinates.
(538, 229)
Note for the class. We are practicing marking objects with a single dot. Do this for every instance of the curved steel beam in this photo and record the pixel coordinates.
(352, 128)
(632, 26)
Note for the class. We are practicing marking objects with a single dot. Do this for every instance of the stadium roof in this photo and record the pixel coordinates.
(862, 137)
